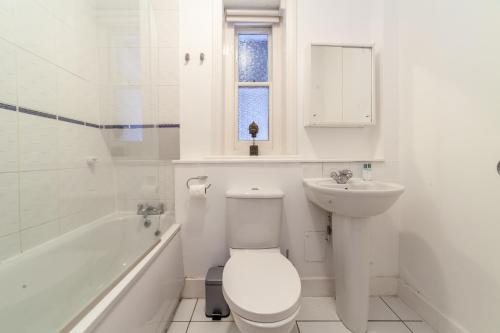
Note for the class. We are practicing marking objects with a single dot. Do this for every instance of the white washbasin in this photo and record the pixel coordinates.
(352, 205)
(357, 198)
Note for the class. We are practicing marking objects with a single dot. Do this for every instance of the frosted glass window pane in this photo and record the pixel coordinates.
(253, 105)
(252, 58)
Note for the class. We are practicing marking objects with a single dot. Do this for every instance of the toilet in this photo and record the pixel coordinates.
(260, 285)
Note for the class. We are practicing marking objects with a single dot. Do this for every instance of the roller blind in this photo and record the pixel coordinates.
(253, 15)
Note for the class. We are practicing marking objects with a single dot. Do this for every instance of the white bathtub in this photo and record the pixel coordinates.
(82, 281)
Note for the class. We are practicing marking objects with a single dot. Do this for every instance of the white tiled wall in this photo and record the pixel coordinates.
(139, 85)
(138, 57)
(77, 59)
(48, 63)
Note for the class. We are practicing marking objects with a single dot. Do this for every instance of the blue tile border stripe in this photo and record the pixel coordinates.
(32, 112)
(8, 107)
(168, 125)
(92, 125)
(116, 126)
(69, 120)
(143, 126)
(37, 113)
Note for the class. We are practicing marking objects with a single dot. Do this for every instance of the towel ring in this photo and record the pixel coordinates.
(199, 178)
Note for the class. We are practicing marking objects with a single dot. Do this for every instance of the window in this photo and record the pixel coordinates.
(253, 82)
(252, 94)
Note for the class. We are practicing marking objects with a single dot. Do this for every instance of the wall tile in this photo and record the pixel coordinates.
(167, 28)
(38, 235)
(131, 65)
(66, 46)
(73, 193)
(168, 66)
(38, 143)
(37, 83)
(312, 170)
(9, 148)
(165, 4)
(168, 104)
(167, 183)
(68, 87)
(169, 144)
(35, 28)
(136, 183)
(70, 145)
(8, 70)
(39, 197)
(9, 203)
(9, 246)
(7, 20)
(132, 105)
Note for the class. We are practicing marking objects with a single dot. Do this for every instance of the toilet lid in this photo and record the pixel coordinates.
(261, 287)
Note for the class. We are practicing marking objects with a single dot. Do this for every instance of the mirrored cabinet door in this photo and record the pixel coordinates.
(341, 86)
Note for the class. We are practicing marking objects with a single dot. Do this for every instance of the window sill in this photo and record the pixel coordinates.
(236, 159)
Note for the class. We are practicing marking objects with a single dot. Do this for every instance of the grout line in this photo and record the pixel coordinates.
(383, 300)
(194, 309)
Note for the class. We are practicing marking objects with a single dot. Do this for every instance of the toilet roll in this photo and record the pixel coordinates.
(197, 191)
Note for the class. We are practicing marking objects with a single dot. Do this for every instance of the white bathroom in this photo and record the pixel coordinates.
(249, 166)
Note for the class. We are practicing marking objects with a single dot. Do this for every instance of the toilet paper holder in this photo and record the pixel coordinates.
(199, 178)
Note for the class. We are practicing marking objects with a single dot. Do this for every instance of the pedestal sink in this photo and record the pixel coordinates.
(352, 204)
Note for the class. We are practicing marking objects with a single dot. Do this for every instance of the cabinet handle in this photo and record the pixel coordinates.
(187, 57)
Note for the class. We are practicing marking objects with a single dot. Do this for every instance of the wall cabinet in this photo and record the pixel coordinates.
(342, 86)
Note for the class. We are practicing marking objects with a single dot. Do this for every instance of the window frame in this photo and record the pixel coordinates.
(239, 84)
(233, 145)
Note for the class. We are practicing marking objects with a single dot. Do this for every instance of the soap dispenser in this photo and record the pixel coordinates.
(367, 171)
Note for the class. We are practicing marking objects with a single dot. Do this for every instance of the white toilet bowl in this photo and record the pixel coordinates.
(262, 289)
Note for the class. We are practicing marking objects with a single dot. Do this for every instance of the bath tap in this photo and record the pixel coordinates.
(146, 209)
(342, 177)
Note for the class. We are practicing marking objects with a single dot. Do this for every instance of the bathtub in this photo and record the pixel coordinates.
(86, 280)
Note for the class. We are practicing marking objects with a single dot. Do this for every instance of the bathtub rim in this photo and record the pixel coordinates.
(93, 317)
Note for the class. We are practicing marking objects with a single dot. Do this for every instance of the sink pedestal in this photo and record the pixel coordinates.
(352, 271)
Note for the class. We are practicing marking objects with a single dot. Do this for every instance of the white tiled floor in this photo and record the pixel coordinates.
(317, 315)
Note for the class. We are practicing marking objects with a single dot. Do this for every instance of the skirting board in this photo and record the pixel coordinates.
(311, 287)
(435, 318)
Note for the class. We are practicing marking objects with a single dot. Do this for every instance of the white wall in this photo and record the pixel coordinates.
(48, 63)
(324, 21)
(204, 222)
(450, 135)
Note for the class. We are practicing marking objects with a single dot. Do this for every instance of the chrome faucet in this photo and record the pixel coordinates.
(342, 177)
(146, 209)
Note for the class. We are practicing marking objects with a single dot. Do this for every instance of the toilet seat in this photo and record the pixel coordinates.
(261, 286)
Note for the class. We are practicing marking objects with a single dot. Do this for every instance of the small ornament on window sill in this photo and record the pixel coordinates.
(253, 129)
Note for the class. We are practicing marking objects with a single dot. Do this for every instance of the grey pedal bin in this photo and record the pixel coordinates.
(216, 306)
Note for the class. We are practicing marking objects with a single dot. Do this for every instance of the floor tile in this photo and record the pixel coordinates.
(318, 308)
(322, 327)
(185, 309)
(419, 327)
(199, 312)
(178, 327)
(213, 327)
(402, 310)
(387, 327)
(380, 311)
